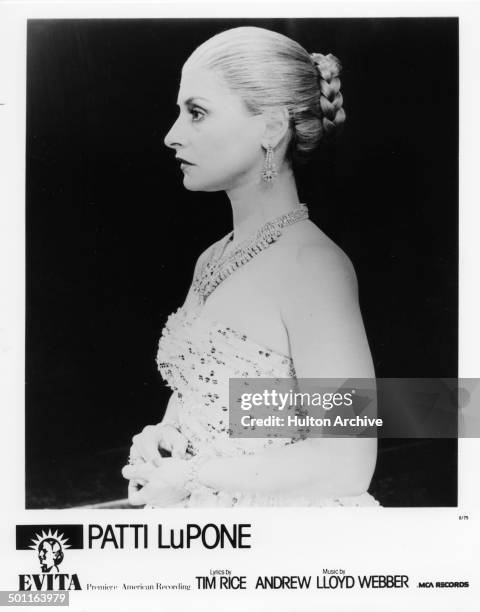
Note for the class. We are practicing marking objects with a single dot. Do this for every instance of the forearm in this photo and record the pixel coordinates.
(334, 467)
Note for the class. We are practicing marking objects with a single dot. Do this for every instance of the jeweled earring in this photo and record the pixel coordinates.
(269, 172)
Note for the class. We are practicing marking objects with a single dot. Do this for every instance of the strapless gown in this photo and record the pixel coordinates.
(196, 357)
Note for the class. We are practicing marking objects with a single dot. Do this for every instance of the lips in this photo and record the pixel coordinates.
(184, 161)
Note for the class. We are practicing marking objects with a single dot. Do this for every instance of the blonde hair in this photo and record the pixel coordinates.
(269, 70)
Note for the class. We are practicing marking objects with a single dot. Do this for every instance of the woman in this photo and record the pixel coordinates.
(275, 298)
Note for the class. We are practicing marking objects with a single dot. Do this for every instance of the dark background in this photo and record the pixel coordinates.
(112, 235)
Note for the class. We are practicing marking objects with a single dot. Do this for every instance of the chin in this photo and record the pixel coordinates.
(200, 186)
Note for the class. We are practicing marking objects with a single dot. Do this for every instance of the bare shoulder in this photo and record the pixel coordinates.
(311, 262)
(320, 309)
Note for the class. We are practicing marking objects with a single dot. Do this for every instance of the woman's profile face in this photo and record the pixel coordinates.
(215, 135)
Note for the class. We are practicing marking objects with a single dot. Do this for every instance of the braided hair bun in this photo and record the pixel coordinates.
(331, 100)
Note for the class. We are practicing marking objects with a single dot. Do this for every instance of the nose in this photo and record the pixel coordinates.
(175, 138)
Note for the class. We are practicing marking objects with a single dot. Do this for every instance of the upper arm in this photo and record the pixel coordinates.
(322, 316)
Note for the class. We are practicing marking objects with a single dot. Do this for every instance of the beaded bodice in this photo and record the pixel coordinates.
(197, 356)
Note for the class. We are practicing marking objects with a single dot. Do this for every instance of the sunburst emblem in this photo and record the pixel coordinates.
(50, 546)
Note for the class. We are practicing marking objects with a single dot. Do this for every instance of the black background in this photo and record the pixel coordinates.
(24, 534)
(112, 235)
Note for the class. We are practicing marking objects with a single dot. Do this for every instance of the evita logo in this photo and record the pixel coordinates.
(49, 543)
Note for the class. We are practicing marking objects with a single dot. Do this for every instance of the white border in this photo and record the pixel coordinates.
(393, 527)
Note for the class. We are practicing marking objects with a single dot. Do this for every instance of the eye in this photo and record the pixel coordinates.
(197, 114)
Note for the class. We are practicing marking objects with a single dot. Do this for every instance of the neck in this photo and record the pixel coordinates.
(254, 204)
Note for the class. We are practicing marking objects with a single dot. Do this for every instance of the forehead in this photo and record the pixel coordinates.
(203, 83)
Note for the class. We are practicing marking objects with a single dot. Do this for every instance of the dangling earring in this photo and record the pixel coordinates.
(269, 167)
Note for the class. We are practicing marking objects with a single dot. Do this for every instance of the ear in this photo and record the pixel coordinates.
(276, 125)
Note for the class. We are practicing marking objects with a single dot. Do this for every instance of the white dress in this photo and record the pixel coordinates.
(197, 356)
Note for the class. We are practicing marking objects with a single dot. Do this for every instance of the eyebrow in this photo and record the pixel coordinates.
(192, 99)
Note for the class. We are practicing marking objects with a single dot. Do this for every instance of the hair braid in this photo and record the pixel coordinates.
(331, 100)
